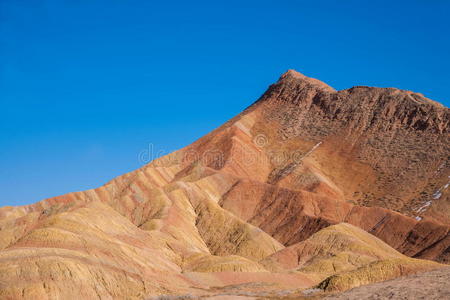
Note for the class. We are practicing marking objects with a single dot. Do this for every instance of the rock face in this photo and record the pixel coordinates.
(307, 187)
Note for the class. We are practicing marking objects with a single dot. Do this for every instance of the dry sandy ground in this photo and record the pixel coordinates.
(429, 285)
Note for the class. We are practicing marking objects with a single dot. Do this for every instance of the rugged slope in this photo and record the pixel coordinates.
(223, 210)
(344, 256)
(401, 137)
(336, 248)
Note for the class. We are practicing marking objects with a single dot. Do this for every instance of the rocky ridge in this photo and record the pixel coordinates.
(308, 187)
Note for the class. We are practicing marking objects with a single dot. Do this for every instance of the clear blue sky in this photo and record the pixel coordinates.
(85, 86)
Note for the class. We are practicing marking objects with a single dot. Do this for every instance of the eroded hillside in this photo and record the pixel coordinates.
(307, 188)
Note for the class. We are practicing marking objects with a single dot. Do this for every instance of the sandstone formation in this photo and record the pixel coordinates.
(307, 188)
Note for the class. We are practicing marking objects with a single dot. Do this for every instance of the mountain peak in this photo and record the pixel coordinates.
(295, 75)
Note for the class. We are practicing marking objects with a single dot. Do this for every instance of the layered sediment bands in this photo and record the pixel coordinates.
(257, 205)
(292, 216)
(334, 249)
(91, 251)
(346, 257)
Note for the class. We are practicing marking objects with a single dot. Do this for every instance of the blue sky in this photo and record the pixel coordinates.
(85, 86)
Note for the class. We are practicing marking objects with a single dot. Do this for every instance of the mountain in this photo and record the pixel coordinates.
(308, 189)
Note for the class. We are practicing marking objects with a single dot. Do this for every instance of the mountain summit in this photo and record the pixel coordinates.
(308, 190)
(292, 74)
